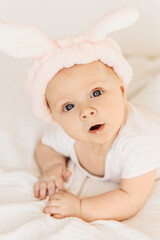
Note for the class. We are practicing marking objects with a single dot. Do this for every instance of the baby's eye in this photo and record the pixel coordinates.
(68, 107)
(96, 93)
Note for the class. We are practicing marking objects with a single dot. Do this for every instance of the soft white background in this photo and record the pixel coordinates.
(21, 215)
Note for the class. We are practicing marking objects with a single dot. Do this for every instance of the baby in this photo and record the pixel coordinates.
(89, 102)
(105, 135)
(79, 83)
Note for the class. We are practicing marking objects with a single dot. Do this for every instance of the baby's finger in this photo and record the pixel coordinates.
(53, 203)
(52, 210)
(51, 189)
(36, 190)
(43, 190)
(57, 216)
(66, 174)
(60, 183)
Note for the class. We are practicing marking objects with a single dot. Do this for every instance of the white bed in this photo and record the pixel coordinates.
(21, 215)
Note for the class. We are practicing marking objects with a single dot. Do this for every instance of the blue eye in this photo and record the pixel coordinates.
(68, 107)
(96, 93)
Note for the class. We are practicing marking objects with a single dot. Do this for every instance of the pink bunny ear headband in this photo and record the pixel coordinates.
(50, 56)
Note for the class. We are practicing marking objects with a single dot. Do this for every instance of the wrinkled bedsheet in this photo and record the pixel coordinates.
(21, 214)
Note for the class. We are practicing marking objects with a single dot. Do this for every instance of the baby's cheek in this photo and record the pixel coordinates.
(70, 129)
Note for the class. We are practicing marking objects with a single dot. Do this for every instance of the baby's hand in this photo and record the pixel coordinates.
(50, 180)
(63, 204)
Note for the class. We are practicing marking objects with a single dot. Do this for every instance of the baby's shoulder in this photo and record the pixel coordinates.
(142, 128)
(55, 137)
(140, 121)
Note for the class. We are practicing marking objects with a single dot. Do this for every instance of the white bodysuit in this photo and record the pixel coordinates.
(135, 151)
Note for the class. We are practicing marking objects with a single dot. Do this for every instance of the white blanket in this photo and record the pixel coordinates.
(21, 215)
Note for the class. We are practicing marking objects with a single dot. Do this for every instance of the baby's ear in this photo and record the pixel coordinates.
(122, 87)
(23, 41)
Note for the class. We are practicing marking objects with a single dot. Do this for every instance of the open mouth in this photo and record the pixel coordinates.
(97, 128)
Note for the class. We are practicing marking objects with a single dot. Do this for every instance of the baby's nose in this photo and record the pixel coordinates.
(87, 113)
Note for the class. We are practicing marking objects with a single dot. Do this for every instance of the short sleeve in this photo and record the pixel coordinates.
(57, 138)
(141, 154)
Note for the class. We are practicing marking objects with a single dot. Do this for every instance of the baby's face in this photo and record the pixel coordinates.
(86, 95)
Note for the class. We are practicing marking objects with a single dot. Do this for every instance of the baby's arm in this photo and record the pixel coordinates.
(47, 157)
(114, 205)
(119, 204)
(53, 168)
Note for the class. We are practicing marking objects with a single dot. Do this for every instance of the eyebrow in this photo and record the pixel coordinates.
(57, 102)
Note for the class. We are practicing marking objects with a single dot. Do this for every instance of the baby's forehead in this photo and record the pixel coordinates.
(97, 67)
(83, 73)
(82, 76)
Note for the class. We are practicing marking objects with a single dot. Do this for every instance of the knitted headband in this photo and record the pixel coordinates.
(23, 41)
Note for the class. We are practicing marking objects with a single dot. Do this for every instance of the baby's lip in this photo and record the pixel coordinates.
(95, 126)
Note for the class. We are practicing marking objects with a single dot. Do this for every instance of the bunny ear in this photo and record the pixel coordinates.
(111, 22)
(19, 40)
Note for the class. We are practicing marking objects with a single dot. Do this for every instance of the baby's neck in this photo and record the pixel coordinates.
(94, 148)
